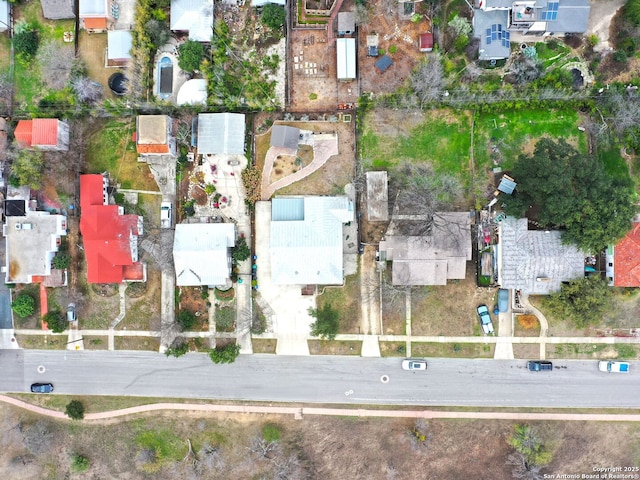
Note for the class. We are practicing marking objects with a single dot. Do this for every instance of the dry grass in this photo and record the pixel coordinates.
(137, 343)
(529, 351)
(334, 347)
(451, 309)
(92, 49)
(346, 300)
(264, 345)
(42, 342)
(393, 349)
(394, 318)
(526, 326)
(143, 313)
(452, 350)
(96, 342)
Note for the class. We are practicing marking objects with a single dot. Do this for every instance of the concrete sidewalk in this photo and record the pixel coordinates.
(300, 412)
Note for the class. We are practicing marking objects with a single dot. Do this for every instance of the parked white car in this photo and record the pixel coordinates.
(165, 214)
(613, 367)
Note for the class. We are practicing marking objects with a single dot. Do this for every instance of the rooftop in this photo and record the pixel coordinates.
(221, 133)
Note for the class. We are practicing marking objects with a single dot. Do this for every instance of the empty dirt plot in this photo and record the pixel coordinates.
(312, 61)
(92, 49)
(398, 38)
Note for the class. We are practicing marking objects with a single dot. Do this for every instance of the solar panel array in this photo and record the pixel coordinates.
(551, 13)
(496, 34)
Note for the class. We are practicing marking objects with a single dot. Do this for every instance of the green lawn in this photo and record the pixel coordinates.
(516, 132)
(28, 79)
(346, 300)
(112, 149)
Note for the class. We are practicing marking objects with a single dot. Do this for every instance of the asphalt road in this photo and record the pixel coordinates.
(344, 380)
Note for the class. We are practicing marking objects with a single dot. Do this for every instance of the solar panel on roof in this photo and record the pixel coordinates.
(499, 27)
(488, 40)
(488, 32)
(493, 27)
(494, 36)
(553, 6)
(507, 35)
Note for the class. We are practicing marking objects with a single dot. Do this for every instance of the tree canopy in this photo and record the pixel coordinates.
(56, 321)
(23, 305)
(27, 169)
(191, 55)
(562, 188)
(582, 301)
(75, 410)
(327, 322)
(273, 16)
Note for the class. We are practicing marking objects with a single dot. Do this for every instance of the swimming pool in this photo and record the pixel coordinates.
(165, 77)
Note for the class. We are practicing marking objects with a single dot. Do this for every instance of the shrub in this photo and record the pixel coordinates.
(393, 49)
(188, 208)
(61, 261)
(56, 321)
(313, 96)
(227, 354)
(225, 317)
(620, 56)
(79, 463)
(327, 322)
(75, 410)
(186, 319)
(460, 43)
(190, 56)
(26, 42)
(271, 432)
(273, 16)
(209, 188)
(241, 251)
(593, 40)
(177, 350)
(23, 305)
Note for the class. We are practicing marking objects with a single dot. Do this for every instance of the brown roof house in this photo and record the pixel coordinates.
(154, 135)
(433, 258)
(535, 261)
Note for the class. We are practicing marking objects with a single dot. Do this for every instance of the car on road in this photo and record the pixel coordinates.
(503, 300)
(71, 312)
(539, 365)
(613, 367)
(485, 319)
(42, 388)
(413, 364)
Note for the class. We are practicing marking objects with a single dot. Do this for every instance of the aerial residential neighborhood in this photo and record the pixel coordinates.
(268, 221)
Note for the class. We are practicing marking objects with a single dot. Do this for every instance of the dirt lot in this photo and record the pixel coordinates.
(321, 448)
(394, 33)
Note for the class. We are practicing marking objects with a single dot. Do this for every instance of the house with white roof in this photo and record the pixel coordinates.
(306, 239)
(221, 133)
(201, 253)
(193, 17)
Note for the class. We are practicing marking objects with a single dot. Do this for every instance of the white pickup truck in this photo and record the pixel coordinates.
(165, 214)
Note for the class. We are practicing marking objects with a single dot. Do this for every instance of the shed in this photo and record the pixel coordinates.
(507, 185)
(372, 45)
(118, 47)
(383, 64)
(346, 23)
(285, 136)
(426, 42)
(346, 58)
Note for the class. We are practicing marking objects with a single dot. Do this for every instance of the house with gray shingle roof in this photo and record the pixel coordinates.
(306, 241)
(58, 9)
(429, 259)
(494, 20)
(535, 261)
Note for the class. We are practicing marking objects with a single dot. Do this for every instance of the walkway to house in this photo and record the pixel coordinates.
(323, 149)
(44, 305)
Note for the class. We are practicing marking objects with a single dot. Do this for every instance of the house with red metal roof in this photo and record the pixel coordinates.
(154, 135)
(43, 134)
(623, 260)
(110, 237)
(425, 43)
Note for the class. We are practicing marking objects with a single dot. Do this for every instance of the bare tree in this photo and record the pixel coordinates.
(525, 69)
(521, 470)
(86, 90)
(428, 79)
(623, 111)
(361, 14)
(56, 64)
(264, 449)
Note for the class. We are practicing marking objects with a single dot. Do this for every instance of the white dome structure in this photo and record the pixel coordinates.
(193, 92)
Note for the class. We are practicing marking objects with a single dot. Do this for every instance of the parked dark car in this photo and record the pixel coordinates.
(539, 365)
(42, 388)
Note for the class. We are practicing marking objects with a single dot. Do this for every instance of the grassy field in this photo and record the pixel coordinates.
(515, 132)
(95, 342)
(346, 300)
(334, 347)
(42, 342)
(393, 349)
(137, 343)
(111, 148)
(452, 350)
(28, 77)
